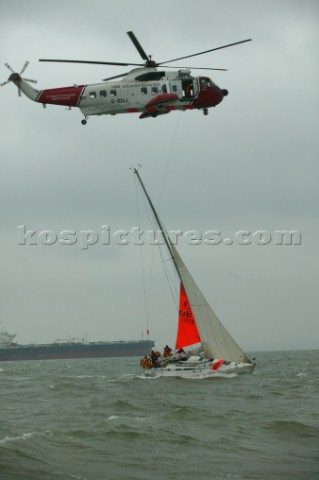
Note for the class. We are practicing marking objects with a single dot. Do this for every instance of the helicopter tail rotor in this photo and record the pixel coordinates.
(17, 78)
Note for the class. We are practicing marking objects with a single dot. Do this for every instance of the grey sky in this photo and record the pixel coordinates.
(251, 164)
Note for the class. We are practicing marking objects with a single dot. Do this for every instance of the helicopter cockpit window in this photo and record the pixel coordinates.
(144, 90)
(154, 90)
(103, 93)
(204, 83)
(174, 88)
(113, 93)
(164, 89)
(92, 94)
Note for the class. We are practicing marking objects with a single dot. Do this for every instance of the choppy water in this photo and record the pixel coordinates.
(101, 420)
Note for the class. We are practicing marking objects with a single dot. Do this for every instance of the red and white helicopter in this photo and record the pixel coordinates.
(148, 89)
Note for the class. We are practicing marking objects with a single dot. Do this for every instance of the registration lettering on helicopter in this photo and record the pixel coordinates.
(119, 100)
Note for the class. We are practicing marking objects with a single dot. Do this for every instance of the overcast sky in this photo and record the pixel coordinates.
(250, 165)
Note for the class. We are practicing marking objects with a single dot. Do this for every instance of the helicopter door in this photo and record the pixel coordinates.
(176, 87)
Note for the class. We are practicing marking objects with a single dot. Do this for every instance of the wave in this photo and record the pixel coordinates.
(23, 436)
(292, 427)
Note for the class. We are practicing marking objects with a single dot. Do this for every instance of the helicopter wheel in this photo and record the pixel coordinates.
(84, 122)
(205, 111)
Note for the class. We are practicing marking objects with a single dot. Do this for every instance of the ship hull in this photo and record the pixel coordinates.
(76, 350)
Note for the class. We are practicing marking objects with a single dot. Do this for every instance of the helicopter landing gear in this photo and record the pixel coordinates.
(84, 121)
(205, 111)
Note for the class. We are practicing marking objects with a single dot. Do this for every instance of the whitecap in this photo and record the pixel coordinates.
(113, 417)
(24, 436)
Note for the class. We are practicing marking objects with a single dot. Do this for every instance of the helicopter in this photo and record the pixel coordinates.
(148, 89)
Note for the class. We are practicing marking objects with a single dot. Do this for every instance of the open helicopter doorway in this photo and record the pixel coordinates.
(189, 88)
(186, 89)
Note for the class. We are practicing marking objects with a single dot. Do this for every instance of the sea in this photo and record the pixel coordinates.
(101, 419)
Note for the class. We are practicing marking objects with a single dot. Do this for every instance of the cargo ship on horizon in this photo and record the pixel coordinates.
(70, 349)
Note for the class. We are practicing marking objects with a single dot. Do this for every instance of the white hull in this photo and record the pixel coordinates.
(199, 370)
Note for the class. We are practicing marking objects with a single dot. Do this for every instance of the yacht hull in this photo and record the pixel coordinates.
(203, 370)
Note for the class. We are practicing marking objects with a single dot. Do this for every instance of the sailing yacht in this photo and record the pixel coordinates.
(204, 348)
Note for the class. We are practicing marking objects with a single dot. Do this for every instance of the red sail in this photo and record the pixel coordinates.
(187, 333)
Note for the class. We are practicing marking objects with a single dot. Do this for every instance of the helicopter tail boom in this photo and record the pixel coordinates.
(23, 86)
(68, 96)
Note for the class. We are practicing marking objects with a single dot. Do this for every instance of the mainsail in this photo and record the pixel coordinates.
(207, 328)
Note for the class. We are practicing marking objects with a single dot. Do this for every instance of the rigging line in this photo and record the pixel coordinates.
(171, 282)
(152, 264)
(169, 278)
(170, 154)
(142, 263)
(147, 297)
(169, 158)
(155, 229)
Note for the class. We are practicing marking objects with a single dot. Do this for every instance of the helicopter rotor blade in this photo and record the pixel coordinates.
(24, 67)
(206, 51)
(17, 77)
(138, 46)
(29, 80)
(8, 66)
(91, 62)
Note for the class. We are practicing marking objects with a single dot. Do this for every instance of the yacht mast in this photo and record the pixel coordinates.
(159, 223)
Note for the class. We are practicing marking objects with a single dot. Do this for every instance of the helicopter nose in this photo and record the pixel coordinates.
(224, 92)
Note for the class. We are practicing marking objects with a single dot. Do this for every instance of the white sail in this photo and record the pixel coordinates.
(216, 340)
